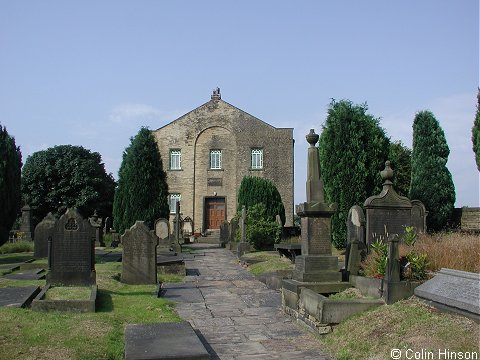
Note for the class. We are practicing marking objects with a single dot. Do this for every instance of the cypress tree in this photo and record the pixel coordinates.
(400, 157)
(142, 191)
(10, 175)
(353, 147)
(254, 190)
(476, 133)
(431, 180)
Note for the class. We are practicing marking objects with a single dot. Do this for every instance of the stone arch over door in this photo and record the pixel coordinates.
(210, 183)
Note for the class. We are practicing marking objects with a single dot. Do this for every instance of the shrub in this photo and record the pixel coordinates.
(16, 247)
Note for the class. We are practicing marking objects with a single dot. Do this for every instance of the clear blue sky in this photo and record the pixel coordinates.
(91, 73)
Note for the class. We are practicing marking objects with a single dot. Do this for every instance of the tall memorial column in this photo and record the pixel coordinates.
(316, 264)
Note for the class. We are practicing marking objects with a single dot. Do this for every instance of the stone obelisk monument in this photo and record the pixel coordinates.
(316, 264)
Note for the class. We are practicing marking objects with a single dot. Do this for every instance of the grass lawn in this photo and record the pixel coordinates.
(266, 261)
(100, 335)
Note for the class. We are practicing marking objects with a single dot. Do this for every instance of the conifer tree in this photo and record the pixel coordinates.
(353, 147)
(10, 174)
(476, 133)
(431, 180)
(254, 190)
(400, 158)
(142, 191)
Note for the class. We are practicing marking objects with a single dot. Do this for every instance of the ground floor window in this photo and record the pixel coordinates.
(172, 201)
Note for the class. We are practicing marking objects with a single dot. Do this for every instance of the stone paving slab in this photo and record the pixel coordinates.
(30, 274)
(237, 316)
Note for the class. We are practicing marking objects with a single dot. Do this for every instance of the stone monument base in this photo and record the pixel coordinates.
(317, 268)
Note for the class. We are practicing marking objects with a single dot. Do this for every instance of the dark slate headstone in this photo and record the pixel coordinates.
(387, 213)
(72, 255)
(43, 232)
(139, 259)
(163, 341)
(453, 290)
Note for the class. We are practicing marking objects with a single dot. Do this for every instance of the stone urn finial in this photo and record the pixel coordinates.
(312, 138)
(387, 173)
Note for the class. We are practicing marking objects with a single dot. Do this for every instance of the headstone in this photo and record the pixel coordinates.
(108, 225)
(243, 247)
(115, 238)
(453, 290)
(316, 262)
(356, 248)
(233, 230)
(177, 228)
(26, 223)
(71, 254)
(162, 230)
(43, 231)
(187, 226)
(139, 259)
(224, 233)
(96, 222)
(387, 213)
(419, 216)
(470, 219)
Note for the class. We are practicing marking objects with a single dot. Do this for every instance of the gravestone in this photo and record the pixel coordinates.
(356, 249)
(162, 230)
(115, 238)
(419, 216)
(71, 258)
(43, 232)
(387, 213)
(139, 259)
(243, 247)
(233, 230)
(96, 223)
(26, 223)
(108, 225)
(224, 233)
(316, 262)
(453, 290)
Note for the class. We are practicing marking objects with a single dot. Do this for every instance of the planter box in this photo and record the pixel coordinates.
(40, 304)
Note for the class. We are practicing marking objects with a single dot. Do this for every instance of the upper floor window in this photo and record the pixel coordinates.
(215, 159)
(175, 159)
(172, 201)
(257, 158)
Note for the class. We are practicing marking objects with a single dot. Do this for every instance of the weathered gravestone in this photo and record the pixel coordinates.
(454, 291)
(224, 233)
(356, 248)
(108, 225)
(26, 223)
(43, 232)
(71, 258)
(419, 216)
(162, 230)
(139, 259)
(387, 213)
(243, 247)
(316, 262)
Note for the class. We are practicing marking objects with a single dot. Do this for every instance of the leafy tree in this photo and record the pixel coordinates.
(66, 176)
(353, 148)
(400, 157)
(142, 191)
(10, 171)
(476, 133)
(254, 190)
(261, 231)
(431, 180)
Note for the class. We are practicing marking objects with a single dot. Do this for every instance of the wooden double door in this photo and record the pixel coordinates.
(214, 212)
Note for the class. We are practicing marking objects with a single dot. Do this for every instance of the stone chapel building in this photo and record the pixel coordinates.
(207, 152)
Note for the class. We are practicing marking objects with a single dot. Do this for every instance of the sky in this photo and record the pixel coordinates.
(91, 73)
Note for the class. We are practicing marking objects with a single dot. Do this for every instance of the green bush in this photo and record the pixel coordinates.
(16, 247)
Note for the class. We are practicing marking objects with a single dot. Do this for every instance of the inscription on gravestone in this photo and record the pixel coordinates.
(71, 258)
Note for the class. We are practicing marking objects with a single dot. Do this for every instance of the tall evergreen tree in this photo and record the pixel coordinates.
(10, 174)
(353, 147)
(400, 157)
(431, 180)
(66, 176)
(476, 133)
(142, 191)
(254, 190)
